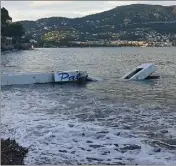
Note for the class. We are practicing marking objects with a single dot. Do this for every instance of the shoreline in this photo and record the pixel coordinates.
(14, 50)
(105, 47)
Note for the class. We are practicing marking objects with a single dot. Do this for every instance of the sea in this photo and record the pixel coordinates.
(106, 121)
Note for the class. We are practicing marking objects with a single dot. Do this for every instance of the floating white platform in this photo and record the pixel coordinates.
(141, 72)
(34, 78)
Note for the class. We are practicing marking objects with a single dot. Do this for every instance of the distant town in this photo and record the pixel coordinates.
(152, 39)
(59, 39)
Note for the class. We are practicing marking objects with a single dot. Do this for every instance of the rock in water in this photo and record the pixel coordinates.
(12, 153)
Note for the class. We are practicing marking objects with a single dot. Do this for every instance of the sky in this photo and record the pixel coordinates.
(33, 10)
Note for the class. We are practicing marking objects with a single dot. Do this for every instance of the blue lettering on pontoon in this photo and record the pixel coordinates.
(71, 78)
(64, 76)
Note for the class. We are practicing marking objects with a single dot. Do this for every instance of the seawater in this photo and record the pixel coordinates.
(109, 121)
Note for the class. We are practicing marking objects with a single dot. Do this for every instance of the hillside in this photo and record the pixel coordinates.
(131, 22)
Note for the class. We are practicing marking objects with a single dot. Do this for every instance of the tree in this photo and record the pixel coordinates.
(5, 18)
(16, 30)
(66, 40)
(10, 29)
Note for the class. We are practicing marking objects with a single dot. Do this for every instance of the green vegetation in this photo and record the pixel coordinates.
(55, 35)
(10, 29)
(5, 21)
(14, 31)
(56, 38)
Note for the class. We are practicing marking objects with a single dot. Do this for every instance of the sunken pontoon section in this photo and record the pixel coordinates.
(141, 72)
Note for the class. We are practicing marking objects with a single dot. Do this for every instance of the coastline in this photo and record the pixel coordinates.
(94, 46)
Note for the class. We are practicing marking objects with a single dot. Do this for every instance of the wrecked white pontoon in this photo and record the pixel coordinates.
(143, 71)
(50, 77)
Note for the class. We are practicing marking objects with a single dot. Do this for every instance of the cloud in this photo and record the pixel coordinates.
(84, 13)
(47, 3)
(119, 3)
(33, 10)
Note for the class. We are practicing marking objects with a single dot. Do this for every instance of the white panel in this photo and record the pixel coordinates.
(147, 69)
